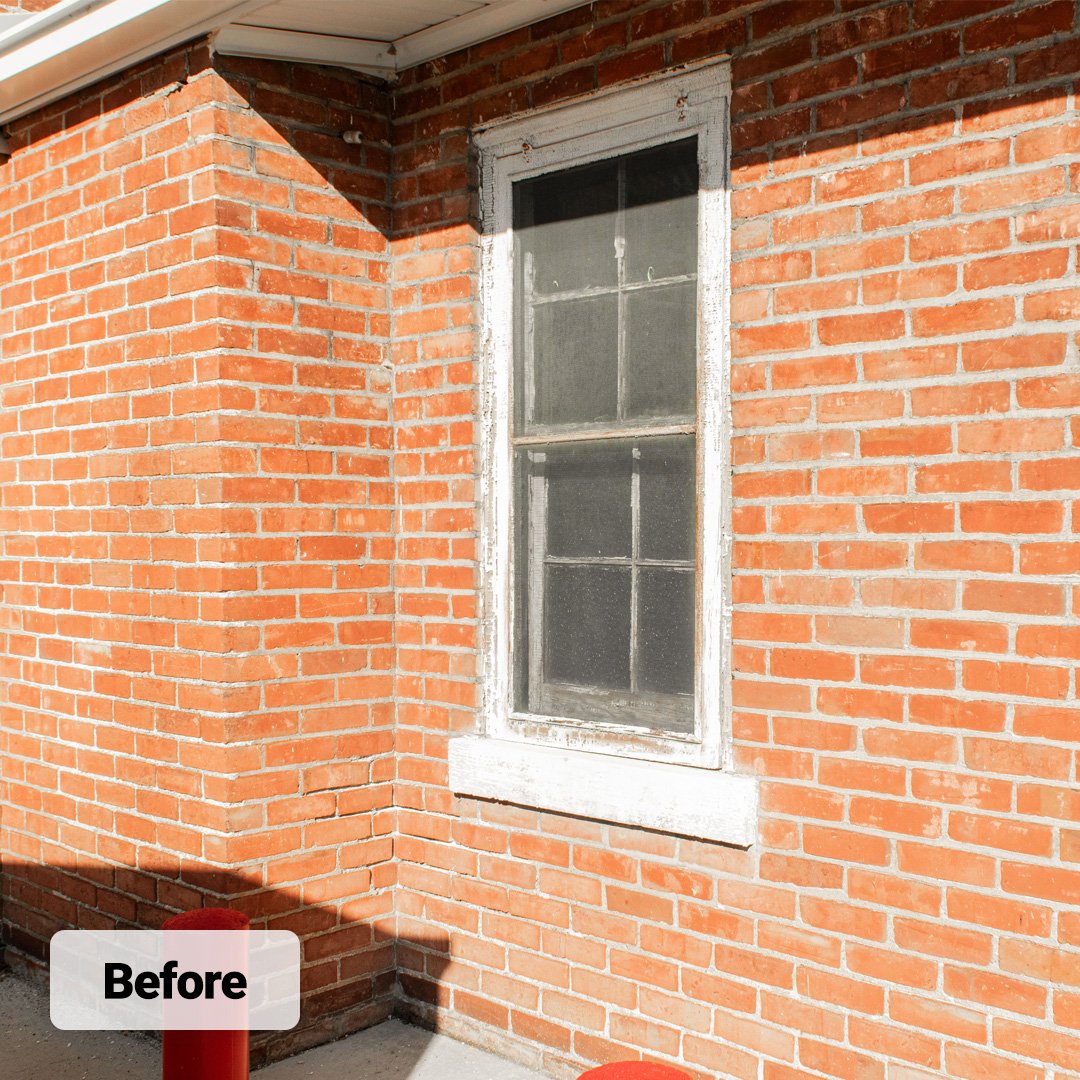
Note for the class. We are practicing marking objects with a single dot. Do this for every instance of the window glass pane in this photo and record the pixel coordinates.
(665, 659)
(566, 222)
(576, 358)
(587, 626)
(605, 339)
(661, 211)
(588, 501)
(522, 474)
(668, 520)
(661, 351)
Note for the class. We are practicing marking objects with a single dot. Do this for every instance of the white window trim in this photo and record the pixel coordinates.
(543, 762)
(703, 803)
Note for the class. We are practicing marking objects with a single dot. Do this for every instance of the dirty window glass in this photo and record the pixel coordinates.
(605, 392)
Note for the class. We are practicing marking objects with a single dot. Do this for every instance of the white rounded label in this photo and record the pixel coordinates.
(174, 980)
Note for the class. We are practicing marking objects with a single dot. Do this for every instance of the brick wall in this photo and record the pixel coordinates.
(28, 7)
(238, 460)
(197, 614)
(905, 326)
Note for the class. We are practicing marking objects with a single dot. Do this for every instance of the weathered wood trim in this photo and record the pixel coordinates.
(620, 120)
(705, 804)
(591, 433)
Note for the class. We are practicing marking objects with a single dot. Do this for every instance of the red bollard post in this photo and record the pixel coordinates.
(205, 1055)
(634, 1070)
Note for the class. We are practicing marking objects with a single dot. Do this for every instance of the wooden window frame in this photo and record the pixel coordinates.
(621, 120)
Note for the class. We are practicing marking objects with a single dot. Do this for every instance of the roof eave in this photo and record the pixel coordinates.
(78, 42)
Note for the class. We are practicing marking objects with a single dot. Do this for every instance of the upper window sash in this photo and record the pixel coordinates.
(616, 121)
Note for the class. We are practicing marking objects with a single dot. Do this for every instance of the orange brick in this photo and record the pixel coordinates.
(1008, 915)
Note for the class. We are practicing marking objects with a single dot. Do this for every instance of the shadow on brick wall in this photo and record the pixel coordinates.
(349, 967)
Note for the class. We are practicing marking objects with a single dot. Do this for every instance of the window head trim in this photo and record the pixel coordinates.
(691, 102)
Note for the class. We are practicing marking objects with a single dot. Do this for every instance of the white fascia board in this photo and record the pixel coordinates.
(79, 42)
(480, 25)
(9, 20)
(34, 25)
(269, 43)
(707, 804)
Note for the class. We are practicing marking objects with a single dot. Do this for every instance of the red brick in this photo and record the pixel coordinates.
(1008, 915)
(973, 1064)
(1020, 597)
(1011, 517)
(1028, 25)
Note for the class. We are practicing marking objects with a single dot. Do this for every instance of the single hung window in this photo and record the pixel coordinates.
(605, 443)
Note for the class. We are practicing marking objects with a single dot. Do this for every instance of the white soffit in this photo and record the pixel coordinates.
(377, 20)
(382, 37)
(77, 42)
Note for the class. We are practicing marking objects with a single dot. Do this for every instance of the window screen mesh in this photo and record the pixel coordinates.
(605, 387)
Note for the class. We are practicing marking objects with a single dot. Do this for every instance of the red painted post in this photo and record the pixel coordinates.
(205, 1055)
(633, 1070)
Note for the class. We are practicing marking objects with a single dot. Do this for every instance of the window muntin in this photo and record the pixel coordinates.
(519, 440)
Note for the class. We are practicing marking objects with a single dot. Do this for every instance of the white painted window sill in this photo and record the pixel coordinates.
(708, 804)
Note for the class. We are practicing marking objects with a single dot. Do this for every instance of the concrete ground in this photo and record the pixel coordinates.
(396, 1051)
(32, 1049)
